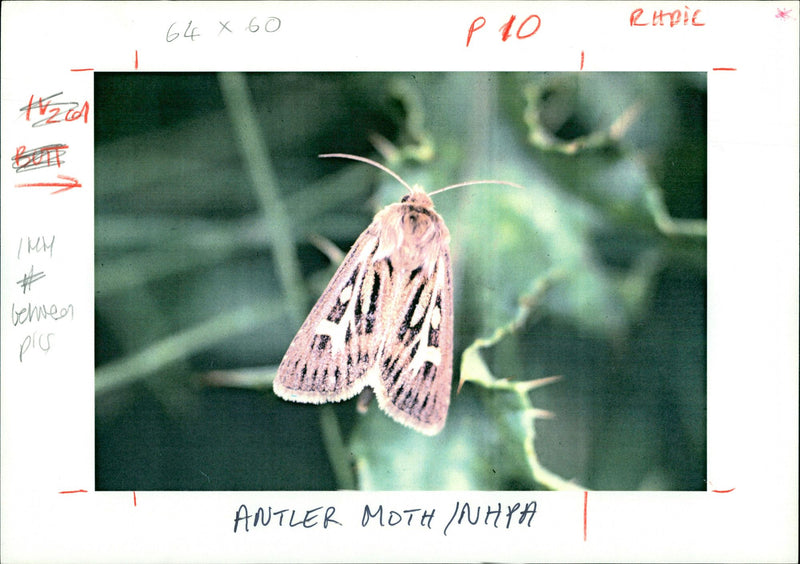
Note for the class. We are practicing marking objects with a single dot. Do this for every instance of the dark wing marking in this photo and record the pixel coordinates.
(416, 365)
(328, 358)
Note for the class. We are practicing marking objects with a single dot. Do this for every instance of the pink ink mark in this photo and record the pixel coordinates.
(784, 14)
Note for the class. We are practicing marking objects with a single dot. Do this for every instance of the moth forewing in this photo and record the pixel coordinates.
(324, 361)
(414, 386)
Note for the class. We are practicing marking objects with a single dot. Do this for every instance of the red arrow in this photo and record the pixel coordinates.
(73, 183)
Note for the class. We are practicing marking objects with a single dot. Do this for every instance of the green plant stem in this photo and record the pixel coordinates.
(255, 151)
(337, 451)
(138, 365)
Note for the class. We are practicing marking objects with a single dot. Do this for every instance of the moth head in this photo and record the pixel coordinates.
(417, 197)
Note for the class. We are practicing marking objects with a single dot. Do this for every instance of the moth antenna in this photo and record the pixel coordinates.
(370, 162)
(470, 183)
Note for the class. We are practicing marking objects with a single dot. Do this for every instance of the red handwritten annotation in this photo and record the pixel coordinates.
(673, 18)
(64, 186)
(530, 25)
(56, 112)
(526, 29)
(40, 157)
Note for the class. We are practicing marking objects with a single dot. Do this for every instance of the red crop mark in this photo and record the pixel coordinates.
(73, 491)
(585, 505)
(582, 60)
(136, 60)
(723, 491)
(81, 70)
(134, 499)
(724, 69)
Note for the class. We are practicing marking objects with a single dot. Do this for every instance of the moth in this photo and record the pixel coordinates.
(384, 324)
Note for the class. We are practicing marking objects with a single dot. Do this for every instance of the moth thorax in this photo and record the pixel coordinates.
(420, 242)
(412, 234)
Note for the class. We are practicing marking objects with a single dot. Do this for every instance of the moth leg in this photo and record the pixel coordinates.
(364, 399)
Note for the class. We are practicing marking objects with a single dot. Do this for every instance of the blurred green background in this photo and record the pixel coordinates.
(214, 224)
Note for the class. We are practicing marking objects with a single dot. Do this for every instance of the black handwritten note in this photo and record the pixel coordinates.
(36, 319)
(461, 514)
(47, 126)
